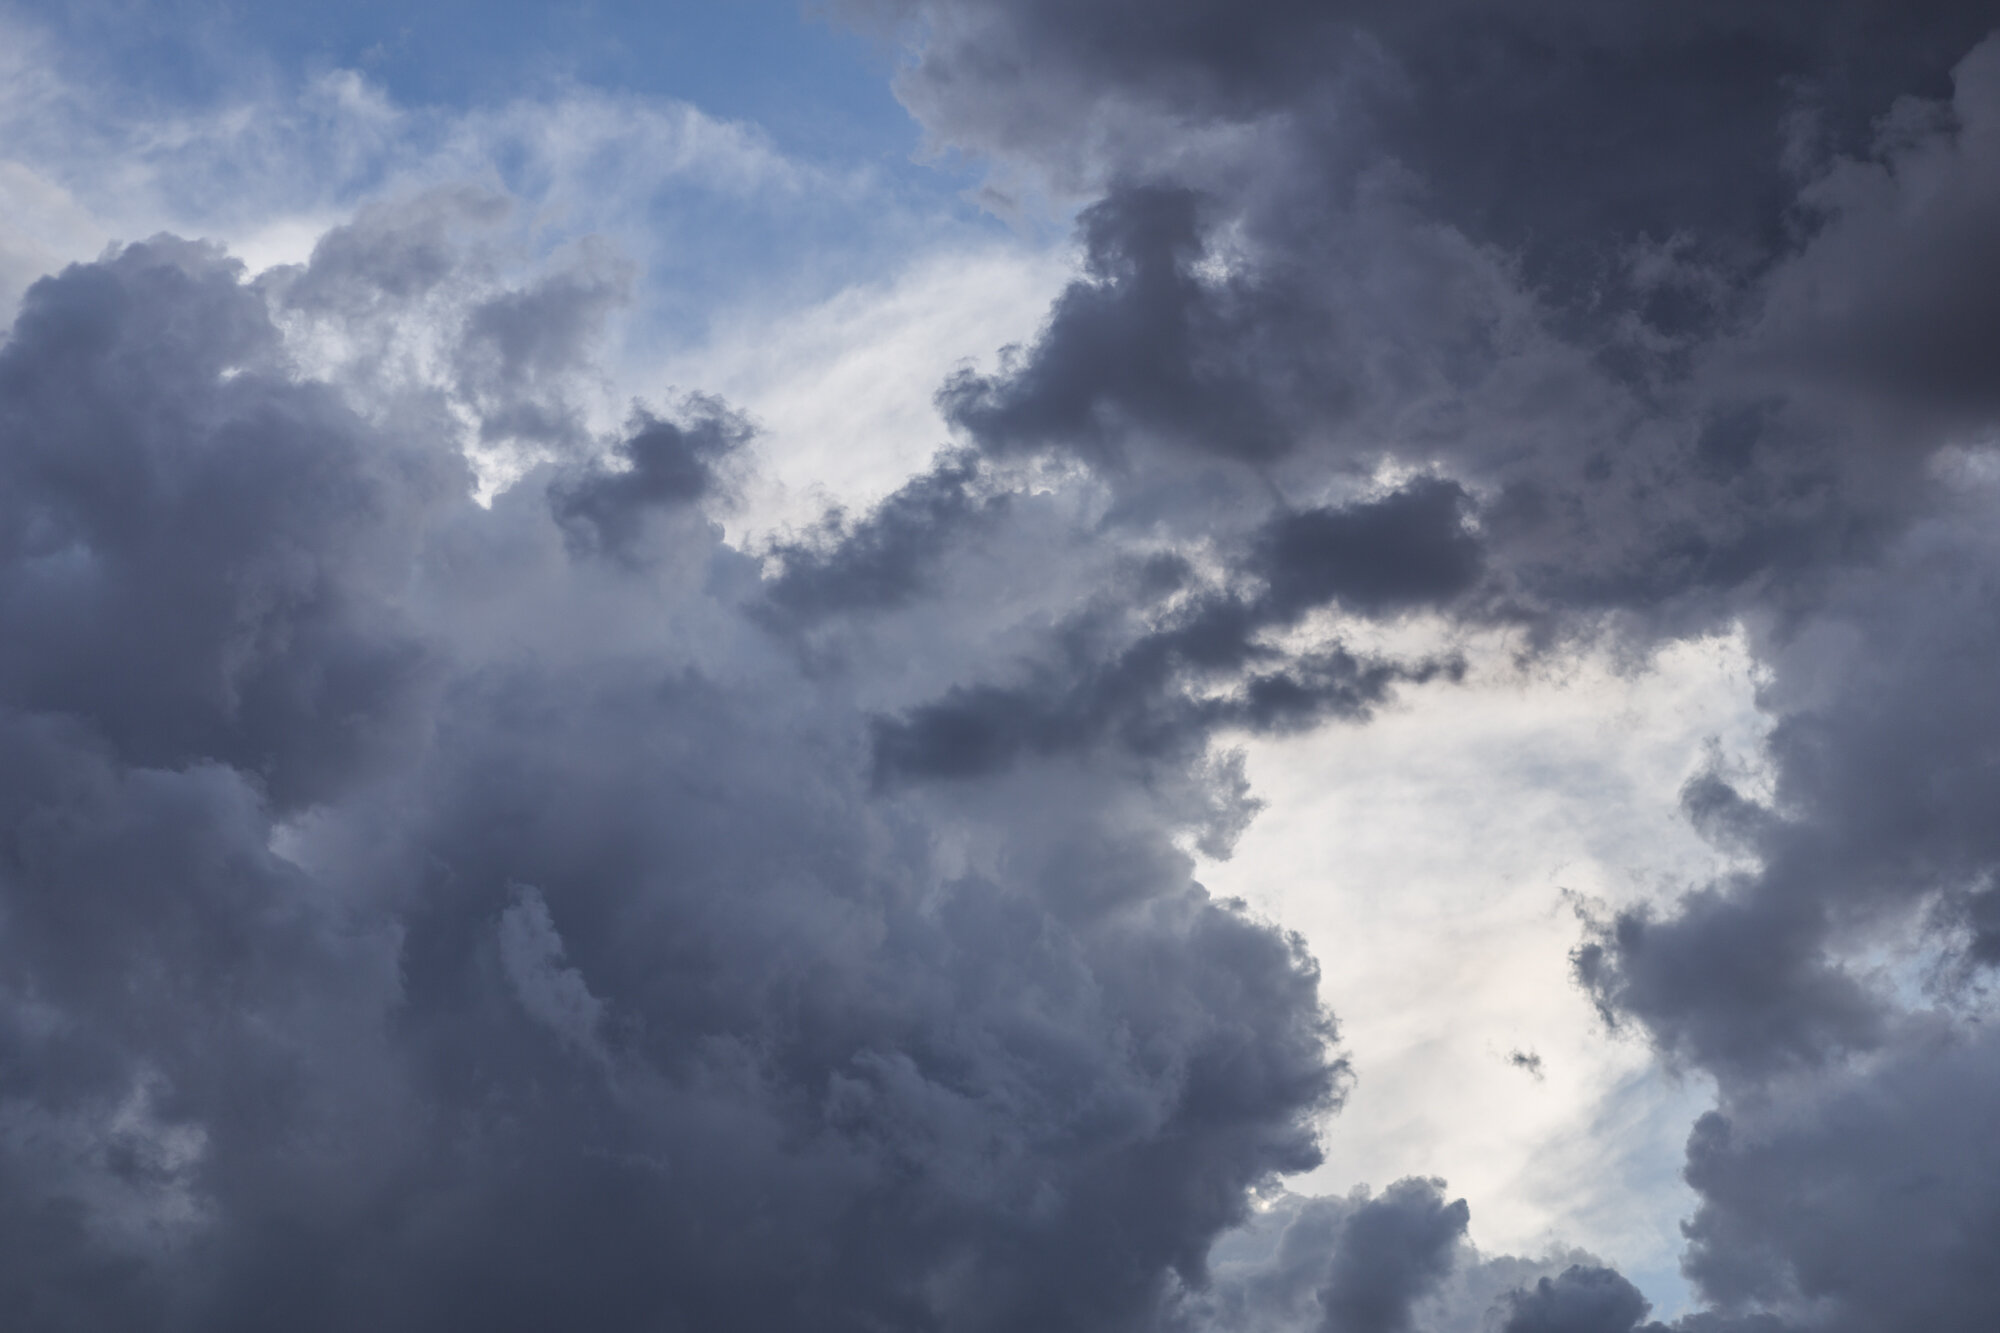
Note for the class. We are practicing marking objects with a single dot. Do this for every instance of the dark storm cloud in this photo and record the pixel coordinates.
(1562, 129)
(1391, 1253)
(413, 920)
(1894, 302)
(1885, 773)
(1202, 665)
(1687, 310)
(1981, 911)
(1132, 702)
(1400, 1259)
(1408, 549)
(201, 552)
(518, 351)
(892, 554)
(1565, 132)
(1358, 1264)
(659, 465)
(1146, 347)
(1410, 218)
(1577, 1300)
(1868, 1204)
(1878, 824)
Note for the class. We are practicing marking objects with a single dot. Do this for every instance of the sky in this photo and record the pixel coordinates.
(990, 665)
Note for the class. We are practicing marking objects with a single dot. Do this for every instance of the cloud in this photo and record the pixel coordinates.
(1392, 1251)
(1404, 342)
(1685, 310)
(1142, 347)
(1578, 1300)
(531, 954)
(889, 556)
(1202, 666)
(1897, 1205)
(1888, 303)
(267, 620)
(1359, 1264)
(666, 465)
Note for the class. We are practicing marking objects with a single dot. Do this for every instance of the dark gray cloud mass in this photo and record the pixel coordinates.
(408, 924)
(1690, 306)
(422, 914)
(1405, 550)
(887, 558)
(1359, 1264)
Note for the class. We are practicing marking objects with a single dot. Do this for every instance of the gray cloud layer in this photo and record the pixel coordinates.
(416, 914)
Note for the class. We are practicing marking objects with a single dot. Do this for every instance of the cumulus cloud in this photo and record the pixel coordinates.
(297, 720)
(1638, 312)
(355, 792)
